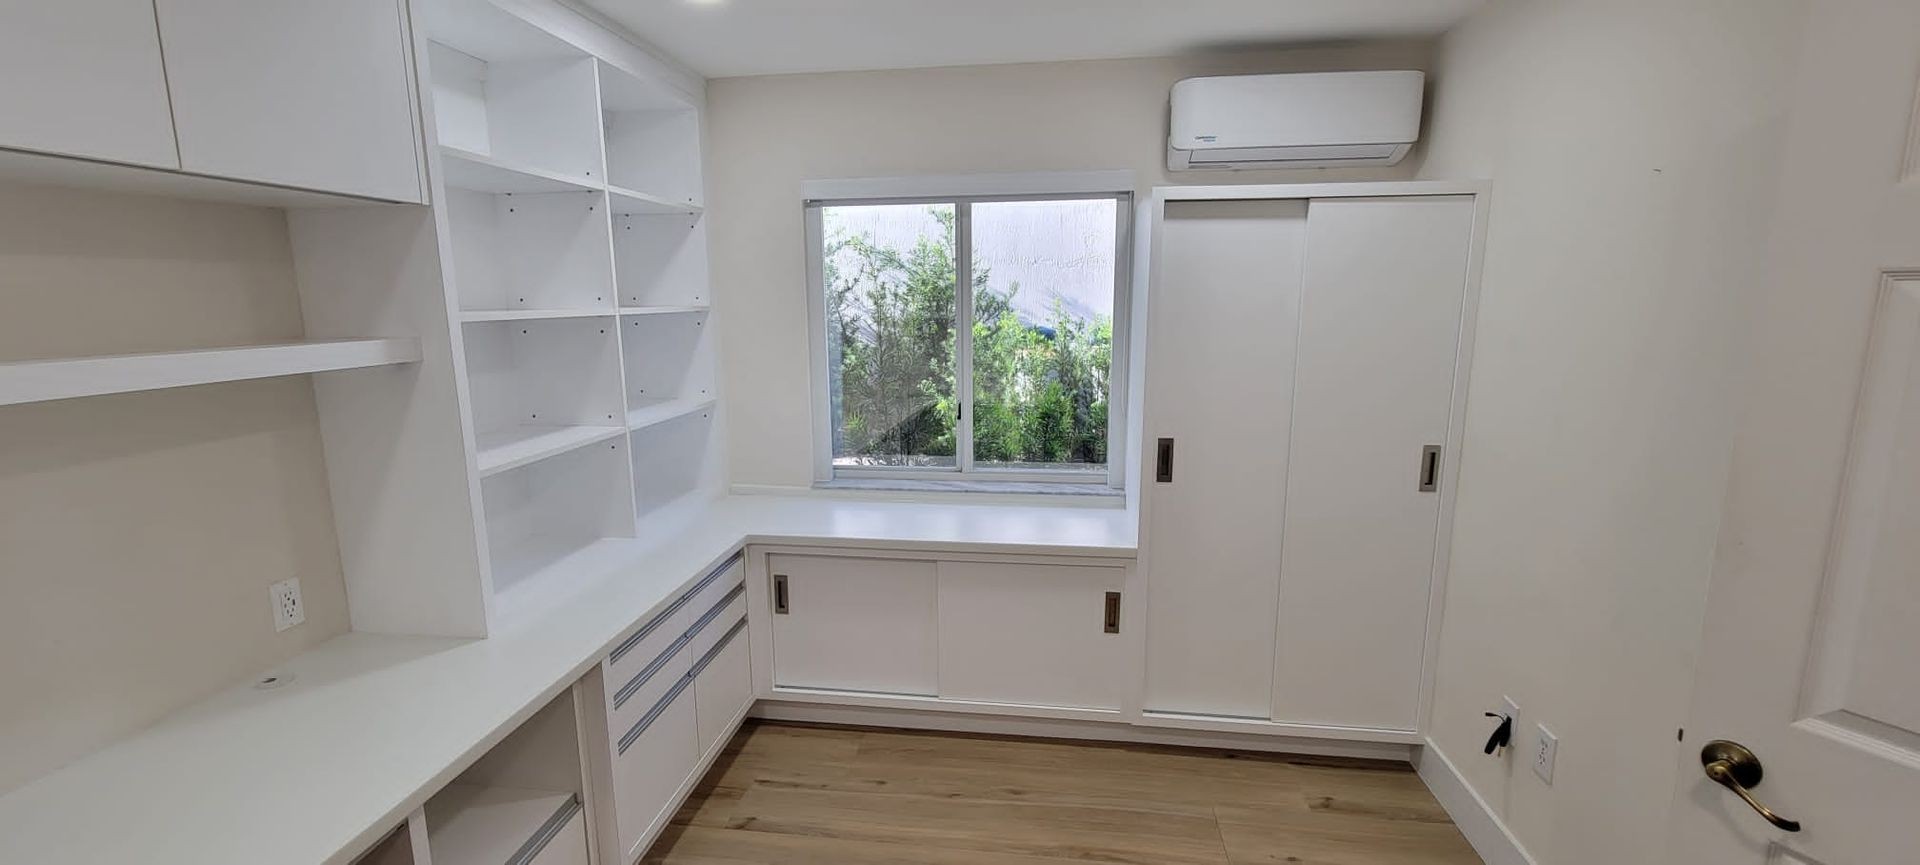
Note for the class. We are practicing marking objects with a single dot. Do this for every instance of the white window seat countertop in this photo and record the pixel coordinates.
(370, 726)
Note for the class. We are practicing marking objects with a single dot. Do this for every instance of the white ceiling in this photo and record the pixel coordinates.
(722, 38)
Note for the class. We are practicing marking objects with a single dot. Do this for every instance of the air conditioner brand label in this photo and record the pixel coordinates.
(1206, 139)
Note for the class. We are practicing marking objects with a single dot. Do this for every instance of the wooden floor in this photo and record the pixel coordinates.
(803, 795)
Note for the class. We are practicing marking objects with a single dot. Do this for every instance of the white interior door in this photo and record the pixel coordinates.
(1225, 299)
(1372, 401)
(1811, 650)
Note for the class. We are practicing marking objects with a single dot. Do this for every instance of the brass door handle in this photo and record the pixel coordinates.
(1732, 766)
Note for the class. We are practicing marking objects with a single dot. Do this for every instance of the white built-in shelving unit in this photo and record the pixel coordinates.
(571, 190)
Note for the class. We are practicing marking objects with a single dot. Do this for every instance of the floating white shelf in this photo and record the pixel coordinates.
(663, 310)
(477, 315)
(501, 450)
(482, 173)
(652, 414)
(65, 378)
(468, 823)
(628, 201)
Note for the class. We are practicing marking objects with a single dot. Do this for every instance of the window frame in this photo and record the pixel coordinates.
(963, 192)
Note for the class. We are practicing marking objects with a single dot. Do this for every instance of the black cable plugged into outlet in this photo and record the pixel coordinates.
(1502, 735)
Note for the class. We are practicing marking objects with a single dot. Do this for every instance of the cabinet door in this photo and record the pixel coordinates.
(1220, 369)
(297, 93)
(723, 688)
(83, 77)
(655, 763)
(1379, 334)
(855, 624)
(1036, 635)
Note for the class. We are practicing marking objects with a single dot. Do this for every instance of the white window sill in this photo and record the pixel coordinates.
(1089, 493)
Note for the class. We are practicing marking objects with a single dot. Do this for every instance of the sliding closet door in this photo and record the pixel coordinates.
(1220, 367)
(1373, 389)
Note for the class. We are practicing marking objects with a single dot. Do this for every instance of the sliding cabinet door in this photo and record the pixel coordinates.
(1220, 353)
(1373, 391)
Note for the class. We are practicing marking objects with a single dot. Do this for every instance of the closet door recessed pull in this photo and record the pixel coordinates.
(1430, 468)
(1113, 613)
(779, 594)
(1163, 462)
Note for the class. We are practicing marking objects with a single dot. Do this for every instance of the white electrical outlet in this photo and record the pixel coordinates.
(1545, 747)
(287, 608)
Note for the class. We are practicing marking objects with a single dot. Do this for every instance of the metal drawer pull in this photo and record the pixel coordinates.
(641, 678)
(718, 608)
(658, 709)
(548, 831)
(685, 598)
(718, 647)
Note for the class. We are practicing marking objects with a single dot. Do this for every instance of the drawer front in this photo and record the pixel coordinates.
(722, 687)
(568, 846)
(651, 762)
(669, 625)
(712, 627)
(711, 594)
(632, 701)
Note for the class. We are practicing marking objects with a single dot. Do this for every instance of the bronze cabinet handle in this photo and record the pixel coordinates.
(1732, 766)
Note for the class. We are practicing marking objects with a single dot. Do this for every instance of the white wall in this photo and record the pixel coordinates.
(768, 134)
(139, 532)
(1632, 145)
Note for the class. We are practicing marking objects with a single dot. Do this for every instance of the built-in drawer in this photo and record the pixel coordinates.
(660, 633)
(713, 625)
(627, 705)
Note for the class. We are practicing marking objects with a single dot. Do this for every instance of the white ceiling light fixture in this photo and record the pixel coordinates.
(762, 37)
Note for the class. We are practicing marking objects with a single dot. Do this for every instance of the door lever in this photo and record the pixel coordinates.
(1732, 766)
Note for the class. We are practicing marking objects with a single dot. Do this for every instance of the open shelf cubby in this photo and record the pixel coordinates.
(542, 387)
(652, 143)
(540, 514)
(674, 461)
(525, 253)
(508, 97)
(521, 802)
(668, 358)
(661, 260)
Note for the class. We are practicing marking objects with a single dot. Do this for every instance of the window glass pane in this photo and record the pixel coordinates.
(890, 333)
(1043, 276)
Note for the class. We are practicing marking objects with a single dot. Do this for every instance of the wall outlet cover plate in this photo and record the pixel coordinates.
(288, 610)
(1546, 746)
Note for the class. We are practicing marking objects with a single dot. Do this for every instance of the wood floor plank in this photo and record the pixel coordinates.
(803, 794)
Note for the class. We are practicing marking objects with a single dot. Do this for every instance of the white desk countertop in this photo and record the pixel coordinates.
(370, 726)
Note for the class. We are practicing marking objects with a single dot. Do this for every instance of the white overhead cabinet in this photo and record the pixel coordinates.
(84, 78)
(1297, 452)
(309, 95)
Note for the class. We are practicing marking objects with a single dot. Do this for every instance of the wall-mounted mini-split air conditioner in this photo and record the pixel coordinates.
(1301, 120)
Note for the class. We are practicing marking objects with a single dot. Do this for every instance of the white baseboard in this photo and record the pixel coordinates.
(1055, 728)
(1484, 830)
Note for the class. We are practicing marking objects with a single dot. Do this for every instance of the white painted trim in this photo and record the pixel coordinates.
(1322, 190)
(1484, 829)
(1263, 727)
(934, 497)
(1046, 728)
(961, 185)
